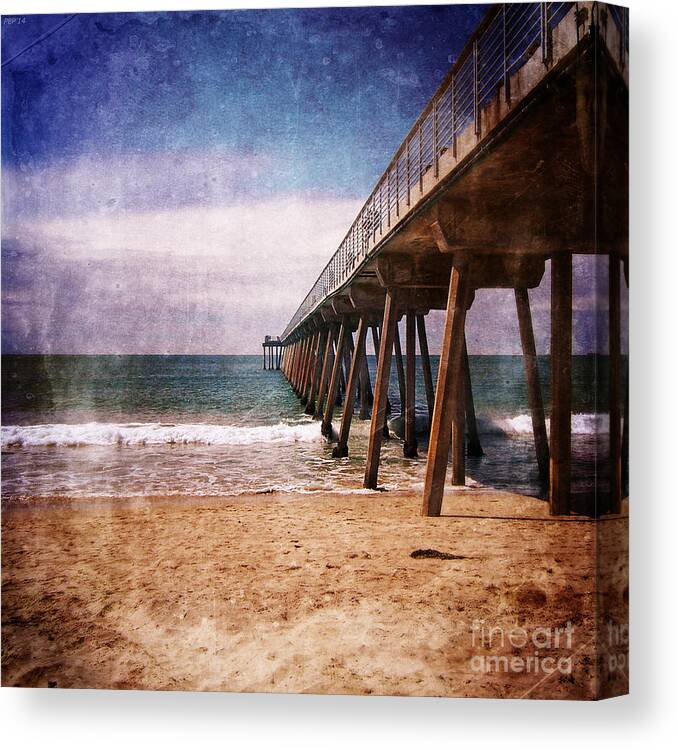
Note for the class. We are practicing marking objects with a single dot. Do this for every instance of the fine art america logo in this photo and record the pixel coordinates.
(617, 647)
(536, 645)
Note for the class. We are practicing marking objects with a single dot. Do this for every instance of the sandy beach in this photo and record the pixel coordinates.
(312, 593)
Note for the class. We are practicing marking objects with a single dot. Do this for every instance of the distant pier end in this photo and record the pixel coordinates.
(272, 347)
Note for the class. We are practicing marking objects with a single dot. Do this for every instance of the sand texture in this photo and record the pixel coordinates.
(310, 593)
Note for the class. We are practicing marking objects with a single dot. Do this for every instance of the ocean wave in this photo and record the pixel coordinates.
(141, 434)
(582, 424)
(521, 424)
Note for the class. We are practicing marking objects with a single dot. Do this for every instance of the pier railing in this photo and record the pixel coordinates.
(506, 39)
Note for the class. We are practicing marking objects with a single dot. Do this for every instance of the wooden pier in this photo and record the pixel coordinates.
(519, 160)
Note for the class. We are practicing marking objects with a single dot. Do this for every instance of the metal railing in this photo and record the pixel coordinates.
(505, 40)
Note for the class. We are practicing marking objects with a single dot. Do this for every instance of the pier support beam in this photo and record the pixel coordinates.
(326, 428)
(365, 387)
(306, 375)
(306, 372)
(339, 400)
(400, 370)
(328, 361)
(303, 350)
(303, 367)
(410, 444)
(448, 409)
(375, 341)
(627, 384)
(534, 396)
(426, 366)
(305, 344)
(474, 448)
(298, 357)
(341, 449)
(561, 383)
(614, 505)
(381, 388)
(295, 362)
(625, 439)
(290, 361)
(458, 437)
(317, 362)
(310, 363)
(346, 366)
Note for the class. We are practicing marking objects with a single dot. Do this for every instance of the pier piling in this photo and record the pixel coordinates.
(310, 360)
(375, 341)
(473, 448)
(614, 273)
(328, 362)
(315, 373)
(333, 389)
(341, 449)
(388, 331)
(400, 370)
(534, 396)
(426, 366)
(561, 383)
(410, 444)
(447, 412)
(365, 386)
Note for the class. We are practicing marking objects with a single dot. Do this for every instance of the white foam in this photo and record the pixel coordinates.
(582, 424)
(139, 434)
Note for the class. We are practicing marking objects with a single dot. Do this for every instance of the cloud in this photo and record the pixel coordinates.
(190, 280)
(149, 253)
(92, 183)
(277, 232)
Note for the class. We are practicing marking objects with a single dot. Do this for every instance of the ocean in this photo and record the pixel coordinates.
(123, 426)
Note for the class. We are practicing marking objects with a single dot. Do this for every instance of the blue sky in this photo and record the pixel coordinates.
(174, 182)
(331, 91)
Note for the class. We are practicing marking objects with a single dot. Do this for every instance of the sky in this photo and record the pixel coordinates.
(175, 182)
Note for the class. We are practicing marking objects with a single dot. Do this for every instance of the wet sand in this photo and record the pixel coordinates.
(316, 594)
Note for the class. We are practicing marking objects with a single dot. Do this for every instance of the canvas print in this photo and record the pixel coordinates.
(315, 350)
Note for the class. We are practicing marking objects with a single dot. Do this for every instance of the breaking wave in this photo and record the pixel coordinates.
(141, 434)
(582, 424)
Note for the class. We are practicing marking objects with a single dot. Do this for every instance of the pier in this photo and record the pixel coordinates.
(519, 159)
(272, 346)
